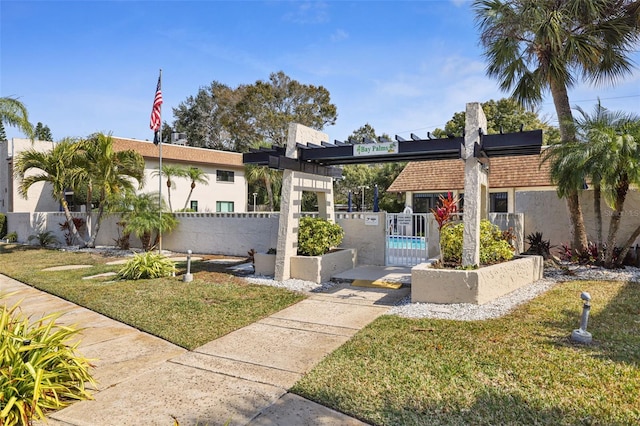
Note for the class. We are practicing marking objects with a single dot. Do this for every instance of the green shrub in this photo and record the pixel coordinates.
(316, 236)
(45, 238)
(39, 370)
(12, 237)
(3, 225)
(493, 247)
(147, 265)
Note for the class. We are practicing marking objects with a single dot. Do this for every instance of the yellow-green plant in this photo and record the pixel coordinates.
(493, 247)
(39, 370)
(317, 236)
(147, 265)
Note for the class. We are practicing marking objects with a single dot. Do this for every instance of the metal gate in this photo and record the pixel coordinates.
(406, 241)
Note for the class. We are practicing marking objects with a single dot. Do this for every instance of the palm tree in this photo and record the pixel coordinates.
(196, 176)
(110, 171)
(537, 45)
(57, 167)
(14, 113)
(142, 218)
(269, 178)
(170, 172)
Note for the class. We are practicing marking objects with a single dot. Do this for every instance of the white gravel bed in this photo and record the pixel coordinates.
(503, 305)
(291, 284)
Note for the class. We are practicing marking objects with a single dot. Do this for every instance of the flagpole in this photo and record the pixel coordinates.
(160, 177)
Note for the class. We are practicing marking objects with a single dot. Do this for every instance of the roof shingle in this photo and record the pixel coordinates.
(447, 175)
(179, 153)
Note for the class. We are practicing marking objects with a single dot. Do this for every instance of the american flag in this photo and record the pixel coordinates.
(156, 120)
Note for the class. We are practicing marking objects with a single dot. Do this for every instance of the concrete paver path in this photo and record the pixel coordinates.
(241, 378)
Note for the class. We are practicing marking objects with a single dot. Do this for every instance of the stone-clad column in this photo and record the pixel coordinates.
(293, 183)
(475, 186)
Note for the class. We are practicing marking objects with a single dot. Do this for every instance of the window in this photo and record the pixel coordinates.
(194, 205)
(423, 203)
(224, 206)
(224, 176)
(498, 202)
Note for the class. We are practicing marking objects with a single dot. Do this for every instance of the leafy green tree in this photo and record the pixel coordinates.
(234, 119)
(57, 167)
(195, 175)
(357, 176)
(170, 172)
(264, 177)
(208, 118)
(13, 113)
(505, 114)
(537, 45)
(42, 133)
(166, 132)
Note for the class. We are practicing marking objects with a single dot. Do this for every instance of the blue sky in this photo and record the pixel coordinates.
(401, 66)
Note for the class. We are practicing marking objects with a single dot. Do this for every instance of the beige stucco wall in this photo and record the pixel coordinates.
(206, 195)
(369, 240)
(429, 285)
(546, 213)
(39, 198)
(320, 269)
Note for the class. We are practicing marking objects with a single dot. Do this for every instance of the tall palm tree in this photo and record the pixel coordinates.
(14, 113)
(196, 175)
(111, 172)
(537, 45)
(57, 167)
(170, 172)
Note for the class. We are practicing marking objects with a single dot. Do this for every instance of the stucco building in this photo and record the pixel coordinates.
(225, 192)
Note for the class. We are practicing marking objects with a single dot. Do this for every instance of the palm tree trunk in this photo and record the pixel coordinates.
(627, 245)
(568, 134)
(267, 184)
(597, 210)
(186, 203)
(88, 207)
(94, 235)
(614, 224)
(72, 226)
(169, 194)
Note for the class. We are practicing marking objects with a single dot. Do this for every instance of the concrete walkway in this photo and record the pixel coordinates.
(241, 378)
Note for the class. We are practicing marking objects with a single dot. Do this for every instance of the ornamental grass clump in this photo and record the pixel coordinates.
(147, 265)
(493, 246)
(316, 236)
(39, 370)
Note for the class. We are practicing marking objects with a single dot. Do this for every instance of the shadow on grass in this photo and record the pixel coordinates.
(614, 328)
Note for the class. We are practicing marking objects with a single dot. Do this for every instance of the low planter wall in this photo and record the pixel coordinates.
(320, 269)
(477, 286)
(264, 264)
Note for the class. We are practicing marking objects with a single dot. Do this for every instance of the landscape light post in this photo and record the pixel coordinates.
(362, 188)
(255, 194)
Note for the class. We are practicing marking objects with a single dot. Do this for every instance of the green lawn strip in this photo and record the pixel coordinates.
(187, 314)
(519, 369)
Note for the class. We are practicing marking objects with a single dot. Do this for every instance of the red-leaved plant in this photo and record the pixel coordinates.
(445, 211)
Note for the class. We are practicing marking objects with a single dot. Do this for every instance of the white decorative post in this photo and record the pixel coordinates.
(293, 184)
(476, 184)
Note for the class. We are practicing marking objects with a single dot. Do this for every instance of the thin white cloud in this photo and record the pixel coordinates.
(308, 12)
(339, 35)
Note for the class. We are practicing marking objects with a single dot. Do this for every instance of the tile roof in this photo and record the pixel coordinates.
(185, 154)
(445, 175)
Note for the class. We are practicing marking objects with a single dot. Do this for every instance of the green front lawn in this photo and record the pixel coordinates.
(521, 369)
(187, 314)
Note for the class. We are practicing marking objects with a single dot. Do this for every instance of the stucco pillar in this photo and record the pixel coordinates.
(476, 190)
(293, 183)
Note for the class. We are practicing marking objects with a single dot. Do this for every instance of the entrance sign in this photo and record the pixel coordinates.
(369, 149)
